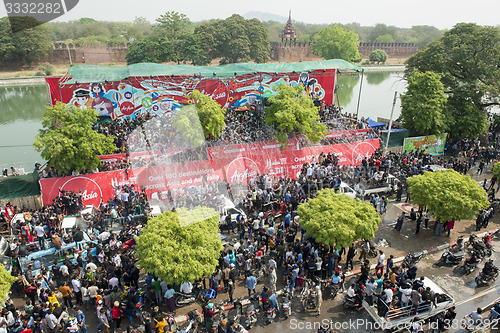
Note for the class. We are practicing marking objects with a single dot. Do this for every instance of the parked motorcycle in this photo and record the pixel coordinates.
(471, 263)
(351, 302)
(182, 299)
(480, 247)
(412, 259)
(487, 275)
(286, 305)
(450, 258)
(373, 249)
(250, 318)
(271, 314)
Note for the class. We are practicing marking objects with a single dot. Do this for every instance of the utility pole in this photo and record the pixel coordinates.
(390, 122)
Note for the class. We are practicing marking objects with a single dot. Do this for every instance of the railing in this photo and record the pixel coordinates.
(406, 311)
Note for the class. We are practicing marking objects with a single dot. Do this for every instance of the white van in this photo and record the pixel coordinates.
(347, 190)
(398, 319)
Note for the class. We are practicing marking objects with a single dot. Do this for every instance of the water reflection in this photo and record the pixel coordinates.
(22, 103)
(345, 91)
(376, 78)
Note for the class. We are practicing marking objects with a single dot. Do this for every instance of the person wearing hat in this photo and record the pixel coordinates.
(116, 314)
(208, 314)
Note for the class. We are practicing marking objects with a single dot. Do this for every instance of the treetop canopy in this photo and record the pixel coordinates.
(88, 74)
(448, 194)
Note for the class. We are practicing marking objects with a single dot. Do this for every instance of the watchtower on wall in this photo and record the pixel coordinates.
(289, 50)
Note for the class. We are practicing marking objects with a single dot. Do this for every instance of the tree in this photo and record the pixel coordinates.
(293, 112)
(378, 56)
(337, 43)
(173, 28)
(177, 253)
(387, 38)
(6, 282)
(187, 123)
(338, 220)
(423, 105)
(448, 194)
(147, 49)
(383, 30)
(210, 113)
(235, 39)
(467, 58)
(496, 170)
(25, 46)
(67, 140)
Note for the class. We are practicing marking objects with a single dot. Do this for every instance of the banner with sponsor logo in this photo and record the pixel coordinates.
(157, 95)
(234, 163)
(431, 144)
(95, 187)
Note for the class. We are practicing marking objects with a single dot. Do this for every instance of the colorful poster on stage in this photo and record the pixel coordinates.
(431, 144)
(157, 95)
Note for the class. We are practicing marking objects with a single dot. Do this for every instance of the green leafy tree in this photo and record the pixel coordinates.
(235, 39)
(423, 105)
(378, 56)
(387, 38)
(6, 282)
(467, 58)
(187, 124)
(210, 113)
(25, 46)
(173, 28)
(176, 252)
(338, 220)
(496, 170)
(448, 194)
(337, 43)
(292, 112)
(148, 49)
(67, 140)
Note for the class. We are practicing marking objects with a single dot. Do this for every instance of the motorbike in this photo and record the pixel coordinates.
(411, 259)
(351, 302)
(271, 314)
(480, 247)
(373, 249)
(182, 299)
(286, 305)
(451, 258)
(193, 320)
(469, 265)
(250, 318)
(487, 275)
(334, 289)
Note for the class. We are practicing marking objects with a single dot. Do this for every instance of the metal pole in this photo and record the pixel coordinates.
(359, 95)
(390, 123)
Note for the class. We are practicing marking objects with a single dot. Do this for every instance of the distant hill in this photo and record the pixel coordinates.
(264, 16)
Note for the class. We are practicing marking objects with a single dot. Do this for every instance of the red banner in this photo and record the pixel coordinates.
(137, 95)
(235, 163)
(95, 187)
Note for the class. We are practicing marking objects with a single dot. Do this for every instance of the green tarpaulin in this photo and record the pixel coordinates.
(19, 187)
(87, 74)
(396, 139)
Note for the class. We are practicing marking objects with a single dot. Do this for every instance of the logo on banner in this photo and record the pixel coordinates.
(241, 169)
(91, 191)
(362, 150)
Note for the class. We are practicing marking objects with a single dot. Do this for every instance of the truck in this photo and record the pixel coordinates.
(389, 185)
(395, 319)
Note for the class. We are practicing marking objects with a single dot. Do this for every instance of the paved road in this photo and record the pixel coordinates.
(461, 287)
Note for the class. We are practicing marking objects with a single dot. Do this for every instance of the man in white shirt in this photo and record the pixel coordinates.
(75, 282)
(380, 264)
(40, 234)
(186, 288)
(51, 320)
(113, 282)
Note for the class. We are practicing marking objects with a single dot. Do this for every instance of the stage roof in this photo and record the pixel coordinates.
(88, 74)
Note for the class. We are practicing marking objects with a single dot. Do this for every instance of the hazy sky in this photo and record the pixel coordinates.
(401, 13)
